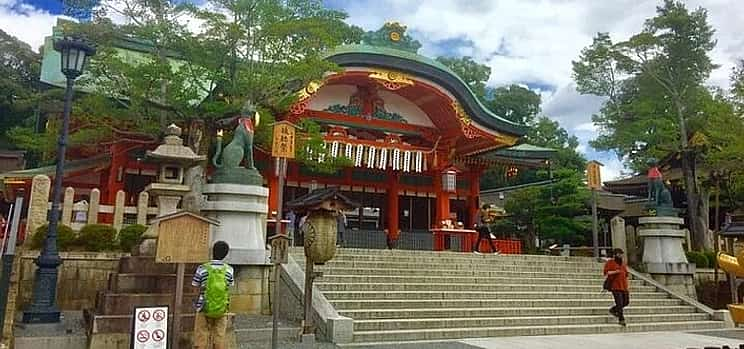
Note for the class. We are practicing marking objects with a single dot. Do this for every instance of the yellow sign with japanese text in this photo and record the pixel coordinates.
(593, 178)
(283, 145)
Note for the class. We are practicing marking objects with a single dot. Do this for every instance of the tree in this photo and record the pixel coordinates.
(257, 51)
(666, 64)
(558, 213)
(514, 103)
(19, 71)
(473, 73)
(737, 86)
(548, 133)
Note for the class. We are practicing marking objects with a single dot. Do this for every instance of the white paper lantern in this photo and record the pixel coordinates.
(419, 161)
(383, 159)
(407, 161)
(349, 150)
(371, 157)
(359, 155)
(334, 149)
(396, 159)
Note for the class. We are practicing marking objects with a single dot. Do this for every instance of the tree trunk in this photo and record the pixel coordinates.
(704, 218)
(693, 203)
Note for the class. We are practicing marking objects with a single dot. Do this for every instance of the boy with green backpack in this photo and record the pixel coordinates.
(213, 279)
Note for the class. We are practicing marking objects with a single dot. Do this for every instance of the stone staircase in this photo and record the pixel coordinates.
(403, 296)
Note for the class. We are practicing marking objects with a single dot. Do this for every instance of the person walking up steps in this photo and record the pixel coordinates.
(484, 232)
(616, 271)
(213, 279)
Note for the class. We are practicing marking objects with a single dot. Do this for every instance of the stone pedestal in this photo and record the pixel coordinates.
(241, 211)
(663, 254)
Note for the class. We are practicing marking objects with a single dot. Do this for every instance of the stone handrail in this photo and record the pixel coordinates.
(721, 315)
(331, 326)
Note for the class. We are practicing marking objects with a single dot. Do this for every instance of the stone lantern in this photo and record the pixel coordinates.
(173, 159)
(322, 207)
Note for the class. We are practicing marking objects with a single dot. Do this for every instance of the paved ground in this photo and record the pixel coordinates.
(654, 340)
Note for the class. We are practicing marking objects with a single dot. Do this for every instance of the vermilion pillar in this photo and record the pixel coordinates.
(442, 209)
(392, 206)
(273, 182)
(473, 204)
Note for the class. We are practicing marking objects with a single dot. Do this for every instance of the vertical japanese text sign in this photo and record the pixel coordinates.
(283, 145)
(593, 178)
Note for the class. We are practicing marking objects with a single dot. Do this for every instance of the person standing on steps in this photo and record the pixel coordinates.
(481, 226)
(213, 279)
(616, 271)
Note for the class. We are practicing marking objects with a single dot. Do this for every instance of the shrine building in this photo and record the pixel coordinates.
(418, 138)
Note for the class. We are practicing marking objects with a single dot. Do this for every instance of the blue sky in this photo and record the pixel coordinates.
(528, 42)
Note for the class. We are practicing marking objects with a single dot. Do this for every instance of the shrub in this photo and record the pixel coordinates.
(65, 237)
(711, 257)
(698, 258)
(130, 236)
(97, 237)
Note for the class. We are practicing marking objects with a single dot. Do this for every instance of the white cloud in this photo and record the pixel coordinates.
(542, 37)
(26, 22)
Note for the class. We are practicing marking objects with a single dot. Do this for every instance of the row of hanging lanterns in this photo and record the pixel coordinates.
(378, 157)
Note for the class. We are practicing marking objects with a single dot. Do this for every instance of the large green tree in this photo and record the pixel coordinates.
(19, 71)
(654, 82)
(257, 51)
(557, 212)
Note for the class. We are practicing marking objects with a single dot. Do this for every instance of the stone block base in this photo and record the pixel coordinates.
(251, 292)
(679, 283)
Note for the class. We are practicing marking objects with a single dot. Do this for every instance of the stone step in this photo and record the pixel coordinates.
(473, 295)
(146, 283)
(147, 265)
(467, 284)
(462, 266)
(123, 303)
(484, 259)
(363, 338)
(369, 314)
(492, 303)
(532, 282)
(522, 275)
(299, 253)
(415, 324)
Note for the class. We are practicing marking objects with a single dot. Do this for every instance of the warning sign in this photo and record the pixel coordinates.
(150, 328)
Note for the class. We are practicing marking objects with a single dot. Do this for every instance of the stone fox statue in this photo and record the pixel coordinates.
(655, 183)
(241, 146)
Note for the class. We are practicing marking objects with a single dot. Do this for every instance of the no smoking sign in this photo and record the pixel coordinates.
(149, 328)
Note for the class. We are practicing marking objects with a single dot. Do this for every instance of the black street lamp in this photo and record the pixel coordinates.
(43, 309)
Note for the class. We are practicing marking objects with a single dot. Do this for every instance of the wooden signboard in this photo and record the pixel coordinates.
(283, 145)
(183, 237)
(593, 178)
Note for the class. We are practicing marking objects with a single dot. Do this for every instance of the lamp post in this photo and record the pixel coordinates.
(43, 308)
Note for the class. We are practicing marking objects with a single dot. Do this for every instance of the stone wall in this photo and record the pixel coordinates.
(81, 276)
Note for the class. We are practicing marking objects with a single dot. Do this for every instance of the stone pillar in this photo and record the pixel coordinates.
(617, 229)
(632, 242)
(663, 254)
(142, 202)
(67, 206)
(95, 202)
(38, 204)
(119, 210)
(241, 210)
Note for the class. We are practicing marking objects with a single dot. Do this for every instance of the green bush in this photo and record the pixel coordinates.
(130, 236)
(698, 258)
(97, 237)
(65, 237)
(711, 257)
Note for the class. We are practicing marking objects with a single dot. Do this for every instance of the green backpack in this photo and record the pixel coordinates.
(216, 294)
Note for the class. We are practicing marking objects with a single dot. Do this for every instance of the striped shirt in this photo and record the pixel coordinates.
(200, 280)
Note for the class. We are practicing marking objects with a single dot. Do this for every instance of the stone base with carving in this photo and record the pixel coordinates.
(663, 255)
(238, 175)
(241, 211)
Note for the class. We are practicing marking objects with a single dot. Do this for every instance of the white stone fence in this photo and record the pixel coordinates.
(78, 214)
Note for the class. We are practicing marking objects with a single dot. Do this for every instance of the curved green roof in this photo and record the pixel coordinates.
(418, 65)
